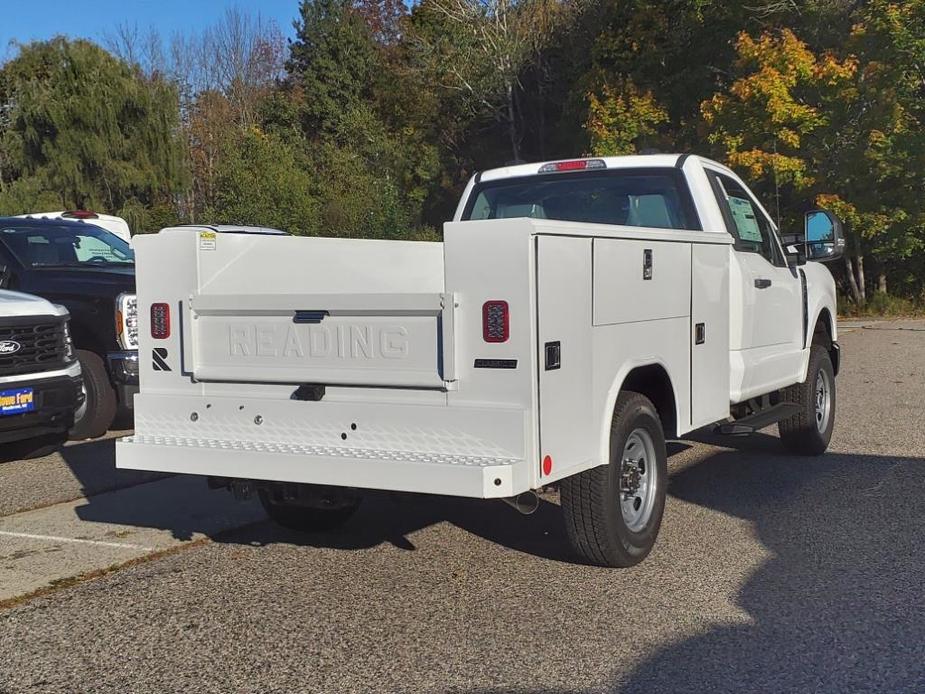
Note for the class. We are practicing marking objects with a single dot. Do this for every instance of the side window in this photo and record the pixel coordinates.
(745, 221)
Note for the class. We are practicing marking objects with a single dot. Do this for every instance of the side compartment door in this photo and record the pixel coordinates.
(564, 362)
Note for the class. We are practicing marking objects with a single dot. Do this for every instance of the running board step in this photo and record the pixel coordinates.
(759, 420)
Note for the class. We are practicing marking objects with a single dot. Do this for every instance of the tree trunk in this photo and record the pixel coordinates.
(881, 282)
(512, 122)
(852, 281)
(862, 284)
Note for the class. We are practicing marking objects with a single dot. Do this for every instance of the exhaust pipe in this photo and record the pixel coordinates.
(526, 502)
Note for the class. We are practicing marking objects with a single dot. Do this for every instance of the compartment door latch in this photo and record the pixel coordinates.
(553, 355)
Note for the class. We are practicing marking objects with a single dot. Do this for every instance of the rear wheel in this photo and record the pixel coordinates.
(809, 431)
(95, 415)
(613, 512)
(308, 508)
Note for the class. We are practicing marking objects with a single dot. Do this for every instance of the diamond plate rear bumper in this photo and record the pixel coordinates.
(434, 450)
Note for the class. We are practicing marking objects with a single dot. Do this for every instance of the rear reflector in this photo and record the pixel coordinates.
(160, 321)
(496, 322)
(575, 165)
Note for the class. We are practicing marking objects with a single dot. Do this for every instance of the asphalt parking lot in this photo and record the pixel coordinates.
(772, 573)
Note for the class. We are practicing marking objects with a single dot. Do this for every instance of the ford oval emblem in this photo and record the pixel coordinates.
(9, 347)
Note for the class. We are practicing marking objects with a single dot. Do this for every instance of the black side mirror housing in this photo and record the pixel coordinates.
(824, 236)
(796, 254)
(794, 249)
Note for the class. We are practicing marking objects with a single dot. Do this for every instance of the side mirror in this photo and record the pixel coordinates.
(824, 235)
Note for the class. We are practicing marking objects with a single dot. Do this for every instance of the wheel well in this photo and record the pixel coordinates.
(822, 336)
(822, 332)
(653, 382)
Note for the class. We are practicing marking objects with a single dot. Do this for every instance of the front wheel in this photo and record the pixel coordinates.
(93, 418)
(809, 431)
(613, 512)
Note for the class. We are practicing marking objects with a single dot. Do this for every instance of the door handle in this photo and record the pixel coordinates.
(762, 283)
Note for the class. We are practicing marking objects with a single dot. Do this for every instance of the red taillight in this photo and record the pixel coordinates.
(575, 165)
(81, 214)
(496, 322)
(160, 321)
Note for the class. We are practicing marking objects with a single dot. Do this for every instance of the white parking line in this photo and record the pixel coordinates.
(44, 546)
(55, 538)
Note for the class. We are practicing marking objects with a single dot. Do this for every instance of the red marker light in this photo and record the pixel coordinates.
(160, 321)
(496, 321)
(547, 465)
(573, 165)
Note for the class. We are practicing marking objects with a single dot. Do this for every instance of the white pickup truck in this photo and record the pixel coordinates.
(40, 379)
(576, 315)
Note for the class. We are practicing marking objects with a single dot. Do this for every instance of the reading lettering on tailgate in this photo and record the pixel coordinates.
(354, 341)
(386, 350)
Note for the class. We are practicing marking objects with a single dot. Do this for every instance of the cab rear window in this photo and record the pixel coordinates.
(656, 198)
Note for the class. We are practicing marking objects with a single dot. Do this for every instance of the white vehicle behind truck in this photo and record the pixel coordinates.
(576, 315)
(40, 379)
(111, 223)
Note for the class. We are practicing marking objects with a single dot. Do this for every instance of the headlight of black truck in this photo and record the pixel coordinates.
(127, 320)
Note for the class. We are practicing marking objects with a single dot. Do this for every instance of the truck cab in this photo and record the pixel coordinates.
(91, 272)
(576, 315)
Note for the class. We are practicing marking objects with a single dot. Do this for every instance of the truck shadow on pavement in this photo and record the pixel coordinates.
(839, 607)
(85, 461)
(391, 518)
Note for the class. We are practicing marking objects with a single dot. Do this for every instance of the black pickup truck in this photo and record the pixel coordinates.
(92, 273)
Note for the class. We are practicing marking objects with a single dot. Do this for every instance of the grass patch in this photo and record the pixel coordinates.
(59, 583)
(881, 305)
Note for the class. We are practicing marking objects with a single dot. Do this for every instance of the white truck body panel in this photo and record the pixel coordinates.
(460, 429)
(415, 399)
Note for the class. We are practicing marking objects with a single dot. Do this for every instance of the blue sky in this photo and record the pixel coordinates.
(26, 20)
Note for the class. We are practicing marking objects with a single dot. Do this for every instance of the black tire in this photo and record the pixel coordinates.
(804, 433)
(101, 398)
(307, 519)
(30, 449)
(592, 500)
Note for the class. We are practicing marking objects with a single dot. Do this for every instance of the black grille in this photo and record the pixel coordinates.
(42, 345)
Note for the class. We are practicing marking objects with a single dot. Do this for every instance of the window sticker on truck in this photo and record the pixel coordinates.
(746, 223)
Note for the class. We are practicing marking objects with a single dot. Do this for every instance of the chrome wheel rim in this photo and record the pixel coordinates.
(823, 397)
(638, 480)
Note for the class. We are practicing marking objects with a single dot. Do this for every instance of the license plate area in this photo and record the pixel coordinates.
(16, 401)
